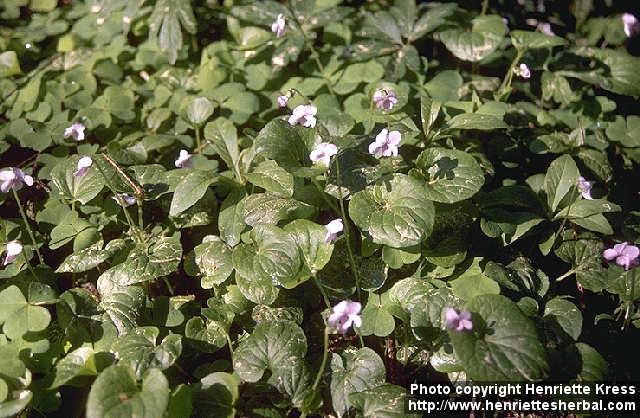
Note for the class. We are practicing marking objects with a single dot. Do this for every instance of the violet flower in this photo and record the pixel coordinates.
(84, 164)
(14, 178)
(283, 100)
(585, 187)
(14, 249)
(630, 23)
(279, 25)
(522, 71)
(344, 315)
(386, 144)
(545, 28)
(76, 131)
(458, 321)
(625, 254)
(184, 159)
(124, 199)
(385, 99)
(304, 115)
(333, 229)
(323, 152)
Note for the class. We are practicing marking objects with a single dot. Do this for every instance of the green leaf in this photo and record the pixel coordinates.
(78, 363)
(450, 175)
(444, 87)
(566, 315)
(271, 177)
(68, 228)
(354, 372)
(266, 208)
(395, 212)
(81, 189)
(282, 143)
(476, 121)
(503, 345)
(376, 320)
(190, 190)
(138, 349)
(168, 17)
(115, 393)
(384, 401)
(434, 17)
(561, 177)
(90, 257)
(207, 337)
(122, 304)
(627, 133)
(223, 138)
(276, 346)
(594, 367)
(310, 238)
(473, 282)
(231, 217)
(429, 111)
(199, 110)
(147, 261)
(213, 262)
(9, 64)
(523, 40)
(485, 36)
(20, 316)
(215, 395)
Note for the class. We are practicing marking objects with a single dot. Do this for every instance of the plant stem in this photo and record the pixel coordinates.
(567, 274)
(505, 88)
(630, 303)
(27, 225)
(324, 294)
(331, 204)
(485, 7)
(347, 232)
(140, 217)
(198, 138)
(325, 354)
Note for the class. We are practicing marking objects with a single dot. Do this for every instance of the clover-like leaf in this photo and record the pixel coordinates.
(20, 316)
(81, 189)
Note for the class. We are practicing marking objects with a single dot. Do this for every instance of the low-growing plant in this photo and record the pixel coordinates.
(299, 208)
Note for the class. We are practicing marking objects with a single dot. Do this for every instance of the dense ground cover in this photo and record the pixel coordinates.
(299, 208)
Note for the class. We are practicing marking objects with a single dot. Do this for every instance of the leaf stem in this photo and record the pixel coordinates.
(627, 313)
(198, 138)
(565, 275)
(27, 225)
(331, 204)
(347, 232)
(325, 354)
(505, 88)
(324, 294)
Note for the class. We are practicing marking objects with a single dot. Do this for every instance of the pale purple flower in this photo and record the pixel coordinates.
(84, 164)
(304, 115)
(386, 144)
(283, 100)
(585, 187)
(458, 321)
(14, 178)
(385, 99)
(344, 315)
(76, 131)
(630, 23)
(278, 26)
(124, 199)
(14, 249)
(184, 159)
(323, 152)
(333, 229)
(522, 71)
(545, 28)
(625, 254)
